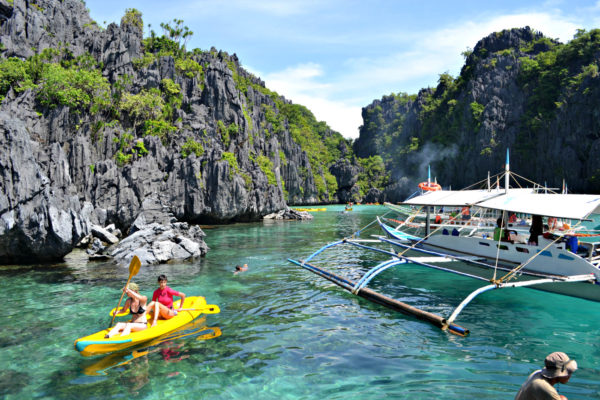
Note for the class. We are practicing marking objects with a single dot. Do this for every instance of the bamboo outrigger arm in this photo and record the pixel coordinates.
(379, 298)
(375, 271)
(554, 279)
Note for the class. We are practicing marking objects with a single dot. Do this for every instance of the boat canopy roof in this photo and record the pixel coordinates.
(528, 201)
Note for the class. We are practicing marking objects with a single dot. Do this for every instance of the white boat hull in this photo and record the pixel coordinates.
(553, 260)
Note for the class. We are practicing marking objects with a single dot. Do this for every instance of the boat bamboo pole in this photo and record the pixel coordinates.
(507, 172)
(388, 302)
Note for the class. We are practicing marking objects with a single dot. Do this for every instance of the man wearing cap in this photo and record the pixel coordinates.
(558, 368)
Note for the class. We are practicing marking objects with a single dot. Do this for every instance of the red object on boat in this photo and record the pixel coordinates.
(429, 186)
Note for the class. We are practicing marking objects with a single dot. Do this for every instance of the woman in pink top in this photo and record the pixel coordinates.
(162, 301)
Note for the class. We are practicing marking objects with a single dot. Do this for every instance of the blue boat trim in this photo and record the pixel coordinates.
(85, 343)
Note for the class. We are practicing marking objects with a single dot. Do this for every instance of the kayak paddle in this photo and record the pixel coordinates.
(134, 268)
(207, 309)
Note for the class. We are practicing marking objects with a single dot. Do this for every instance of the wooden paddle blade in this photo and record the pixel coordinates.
(134, 266)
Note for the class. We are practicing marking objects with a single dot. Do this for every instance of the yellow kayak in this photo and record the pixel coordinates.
(97, 344)
(197, 327)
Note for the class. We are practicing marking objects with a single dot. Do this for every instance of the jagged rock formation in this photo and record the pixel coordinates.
(517, 90)
(289, 214)
(221, 148)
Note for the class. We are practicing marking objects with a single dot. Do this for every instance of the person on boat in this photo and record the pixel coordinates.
(136, 303)
(512, 218)
(537, 229)
(465, 213)
(500, 232)
(162, 301)
(558, 368)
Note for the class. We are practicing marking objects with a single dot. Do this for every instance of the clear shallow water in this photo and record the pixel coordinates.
(287, 333)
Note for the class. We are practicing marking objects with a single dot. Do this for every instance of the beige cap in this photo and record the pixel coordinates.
(558, 365)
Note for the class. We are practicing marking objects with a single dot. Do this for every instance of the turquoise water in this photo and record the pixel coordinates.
(286, 333)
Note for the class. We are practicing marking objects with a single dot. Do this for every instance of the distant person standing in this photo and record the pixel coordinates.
(558, 368)
(465, 213)
(537, 229)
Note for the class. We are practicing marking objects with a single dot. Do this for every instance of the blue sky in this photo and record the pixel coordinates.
(337, 56)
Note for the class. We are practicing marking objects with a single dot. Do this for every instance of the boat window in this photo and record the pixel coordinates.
(522, 249)
(546, 253)
(502, 247)
(484, 243)
(564, 257)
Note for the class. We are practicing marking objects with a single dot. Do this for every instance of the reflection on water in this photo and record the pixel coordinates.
(284, 332)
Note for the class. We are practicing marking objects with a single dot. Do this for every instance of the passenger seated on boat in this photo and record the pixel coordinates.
(537, 229)
(500, 233)
(438, 219)
(465, 213)
(136, 304)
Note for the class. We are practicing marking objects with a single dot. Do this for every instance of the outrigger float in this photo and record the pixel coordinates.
(359, 288)
(555, 262)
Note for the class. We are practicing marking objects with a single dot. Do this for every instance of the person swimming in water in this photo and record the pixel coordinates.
(239, 269)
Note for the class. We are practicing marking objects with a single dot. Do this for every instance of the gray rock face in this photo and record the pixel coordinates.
(491, 108)
(38, 220)
(157, 244)
(347, 176)
(104, 235)
(289, 214)
(58, 170)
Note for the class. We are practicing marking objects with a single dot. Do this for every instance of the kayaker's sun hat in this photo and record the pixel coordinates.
(134, 287)
(558, 365)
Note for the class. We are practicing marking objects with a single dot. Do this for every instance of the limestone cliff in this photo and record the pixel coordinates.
(517, 90)
(95, 121)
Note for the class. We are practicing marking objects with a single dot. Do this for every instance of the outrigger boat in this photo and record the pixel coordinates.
(96, 343)
(558, 262)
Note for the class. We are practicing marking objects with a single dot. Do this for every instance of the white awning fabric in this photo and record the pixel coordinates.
(570, 206)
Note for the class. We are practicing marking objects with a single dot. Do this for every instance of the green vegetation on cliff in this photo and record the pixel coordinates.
(127, 109)
(551, 73)
(517, 89)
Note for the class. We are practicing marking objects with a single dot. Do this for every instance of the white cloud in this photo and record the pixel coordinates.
(358, 81)
(300, 84)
